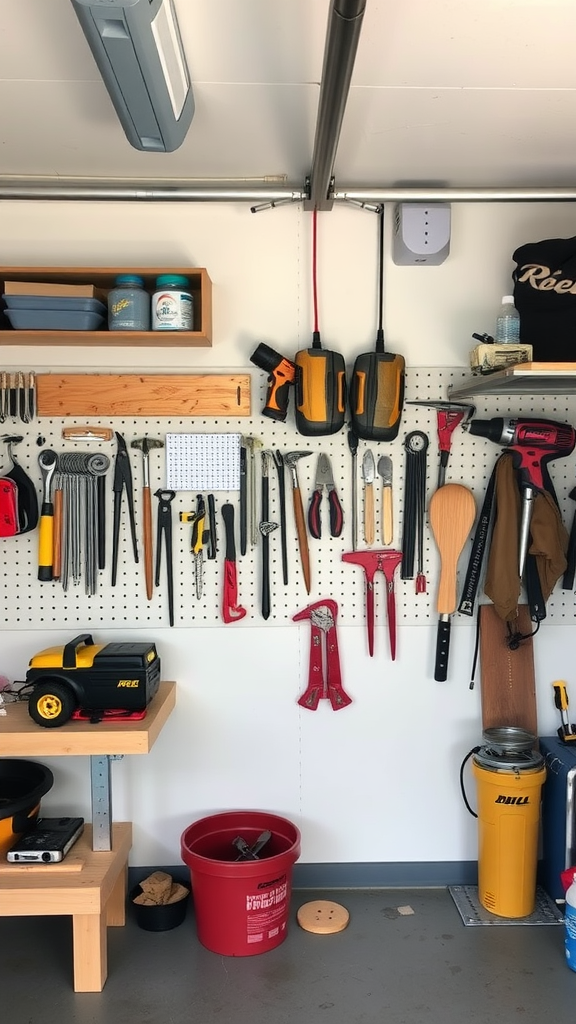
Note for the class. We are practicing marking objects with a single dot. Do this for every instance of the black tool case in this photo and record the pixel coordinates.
(558, 813)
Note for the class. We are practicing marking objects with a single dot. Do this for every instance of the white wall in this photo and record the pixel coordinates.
(378, 782)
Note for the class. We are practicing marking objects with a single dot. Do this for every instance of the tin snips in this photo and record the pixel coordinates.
(322, 615)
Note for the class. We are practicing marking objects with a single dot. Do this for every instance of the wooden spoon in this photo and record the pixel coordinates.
(452, 511)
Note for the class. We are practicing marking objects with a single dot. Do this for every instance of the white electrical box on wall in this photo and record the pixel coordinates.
(421, 234)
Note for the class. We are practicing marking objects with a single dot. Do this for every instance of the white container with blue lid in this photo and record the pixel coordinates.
(172, 304)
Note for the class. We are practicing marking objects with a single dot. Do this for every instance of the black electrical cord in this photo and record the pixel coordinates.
(462, 767)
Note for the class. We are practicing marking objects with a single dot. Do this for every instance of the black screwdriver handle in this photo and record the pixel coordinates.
(442, 650)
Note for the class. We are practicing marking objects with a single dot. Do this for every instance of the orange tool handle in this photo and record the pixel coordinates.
(302, 536)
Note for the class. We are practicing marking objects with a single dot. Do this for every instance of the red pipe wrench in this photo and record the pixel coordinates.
(372, 562)
(322, 617)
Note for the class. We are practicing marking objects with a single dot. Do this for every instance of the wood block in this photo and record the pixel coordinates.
(143, 395)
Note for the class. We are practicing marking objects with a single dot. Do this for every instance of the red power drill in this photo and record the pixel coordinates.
(533, 443)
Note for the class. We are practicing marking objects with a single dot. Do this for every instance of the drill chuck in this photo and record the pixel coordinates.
(495, 429)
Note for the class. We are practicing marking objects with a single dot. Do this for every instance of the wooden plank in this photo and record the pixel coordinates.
(21, 737)
(508, 686)
(103, 394)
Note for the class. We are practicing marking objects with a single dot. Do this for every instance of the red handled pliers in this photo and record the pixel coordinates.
(324, 478)
(322, 617)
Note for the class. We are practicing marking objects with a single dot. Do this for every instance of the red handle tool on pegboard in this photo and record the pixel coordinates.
(373, 562)
(322, 615)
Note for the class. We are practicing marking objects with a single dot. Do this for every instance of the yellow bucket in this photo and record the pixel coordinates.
(508, 826)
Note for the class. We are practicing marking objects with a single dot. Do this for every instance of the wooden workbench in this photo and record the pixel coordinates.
(89, 884)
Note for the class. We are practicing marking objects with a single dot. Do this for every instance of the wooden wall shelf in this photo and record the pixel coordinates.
(103, 279)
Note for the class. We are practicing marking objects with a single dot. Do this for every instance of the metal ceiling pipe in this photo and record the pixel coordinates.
(95, 193)
(344, 25)
(360, 196)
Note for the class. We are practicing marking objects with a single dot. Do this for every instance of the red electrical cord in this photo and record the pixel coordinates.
(314, 269)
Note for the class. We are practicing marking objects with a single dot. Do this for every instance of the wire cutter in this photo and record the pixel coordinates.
(322, 617)
(164, 529)
(324, 478)
(122, 479)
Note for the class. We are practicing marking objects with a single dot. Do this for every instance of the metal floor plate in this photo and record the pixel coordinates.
(473, 913)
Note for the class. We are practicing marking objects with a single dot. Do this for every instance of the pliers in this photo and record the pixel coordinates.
(199, 538)
(122, 479)
(322, 617)
(324, 478)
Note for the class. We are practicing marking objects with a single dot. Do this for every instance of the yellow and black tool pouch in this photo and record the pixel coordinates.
(377, 395)
(320, 390)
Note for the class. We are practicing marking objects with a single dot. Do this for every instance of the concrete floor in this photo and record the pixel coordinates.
(384, 969)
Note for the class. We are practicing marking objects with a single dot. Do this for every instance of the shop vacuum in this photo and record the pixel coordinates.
(509, 772)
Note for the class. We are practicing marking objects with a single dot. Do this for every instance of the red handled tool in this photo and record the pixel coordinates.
(324, 478)
(373, 562)
(448, 416)
(231, 610)
(322, 615)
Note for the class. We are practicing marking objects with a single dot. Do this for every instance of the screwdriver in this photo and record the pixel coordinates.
(566, 732)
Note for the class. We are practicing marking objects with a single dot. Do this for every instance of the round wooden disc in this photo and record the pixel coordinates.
(322, 917)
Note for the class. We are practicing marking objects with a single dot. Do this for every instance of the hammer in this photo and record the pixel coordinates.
(145, 445)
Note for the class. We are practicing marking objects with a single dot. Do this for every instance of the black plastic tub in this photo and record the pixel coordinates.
(22, 786)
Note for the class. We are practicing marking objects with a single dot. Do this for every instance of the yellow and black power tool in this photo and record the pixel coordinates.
(320, 390)
(93, 678)
(377, 386)
(281, 375)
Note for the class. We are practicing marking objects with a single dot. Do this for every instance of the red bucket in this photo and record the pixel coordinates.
(241, 906)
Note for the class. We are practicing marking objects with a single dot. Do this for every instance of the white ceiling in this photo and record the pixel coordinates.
(453, 92)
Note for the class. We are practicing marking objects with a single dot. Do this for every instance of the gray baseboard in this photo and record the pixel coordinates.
(369, 875)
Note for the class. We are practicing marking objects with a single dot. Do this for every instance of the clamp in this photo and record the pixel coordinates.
(322, 615)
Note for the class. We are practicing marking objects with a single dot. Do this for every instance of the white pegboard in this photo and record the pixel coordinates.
(27, 603)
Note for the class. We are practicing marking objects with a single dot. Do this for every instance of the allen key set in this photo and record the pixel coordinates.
(80, 476)
(17, 396)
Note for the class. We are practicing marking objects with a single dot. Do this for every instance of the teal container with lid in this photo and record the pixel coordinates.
(128, 304)
(172, 304)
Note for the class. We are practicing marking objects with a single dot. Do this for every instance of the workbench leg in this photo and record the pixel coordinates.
(116, 905)
(90, 952)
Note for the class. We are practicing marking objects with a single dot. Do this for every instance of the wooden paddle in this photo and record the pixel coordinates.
(452, 511)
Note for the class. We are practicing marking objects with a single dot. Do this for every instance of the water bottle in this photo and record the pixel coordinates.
(570, 926)
(508, 323)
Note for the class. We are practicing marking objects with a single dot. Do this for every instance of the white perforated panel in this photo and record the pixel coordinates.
(27, 602)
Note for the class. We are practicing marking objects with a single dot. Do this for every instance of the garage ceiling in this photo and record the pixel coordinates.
(452, 93)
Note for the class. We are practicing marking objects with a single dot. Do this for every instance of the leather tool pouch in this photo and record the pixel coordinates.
(8, 508)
